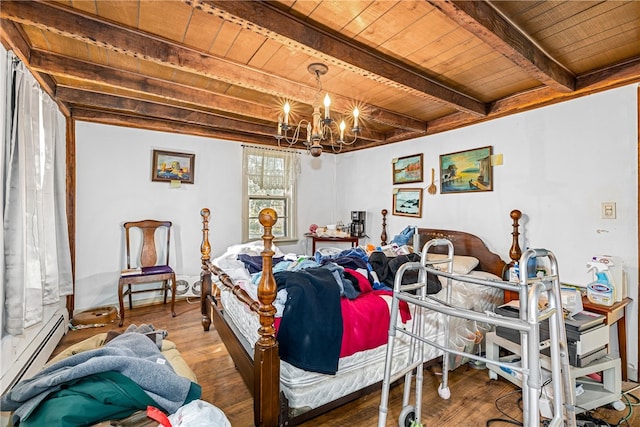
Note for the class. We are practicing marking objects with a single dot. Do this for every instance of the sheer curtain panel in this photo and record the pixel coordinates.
(36, 246)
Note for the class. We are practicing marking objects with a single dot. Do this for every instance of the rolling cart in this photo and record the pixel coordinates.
(528, 326)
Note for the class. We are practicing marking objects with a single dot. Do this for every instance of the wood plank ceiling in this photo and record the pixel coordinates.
(223, 69)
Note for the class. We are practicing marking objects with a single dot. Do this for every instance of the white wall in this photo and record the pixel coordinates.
(560, 163)
(114, 186)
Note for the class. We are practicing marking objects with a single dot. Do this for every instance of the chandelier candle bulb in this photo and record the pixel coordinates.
(327, 103)
(342, 126)
(287, 108)
(356, 113)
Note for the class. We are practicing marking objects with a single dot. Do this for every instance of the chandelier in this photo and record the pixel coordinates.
(319, 129)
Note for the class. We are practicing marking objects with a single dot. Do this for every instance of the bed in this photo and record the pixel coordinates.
(285, 394)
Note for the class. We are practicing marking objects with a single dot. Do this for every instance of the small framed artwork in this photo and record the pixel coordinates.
(407, 169)
(466, 171)
(407, 202)
(170, 166)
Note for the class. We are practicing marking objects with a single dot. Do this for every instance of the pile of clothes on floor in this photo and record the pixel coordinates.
(127, 374)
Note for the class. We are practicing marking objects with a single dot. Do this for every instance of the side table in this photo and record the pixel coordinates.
(314, 238)
(614, 314)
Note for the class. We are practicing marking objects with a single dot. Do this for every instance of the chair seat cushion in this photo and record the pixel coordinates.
(157, 269)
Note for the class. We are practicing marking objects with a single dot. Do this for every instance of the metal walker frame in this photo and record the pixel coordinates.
(528, 325)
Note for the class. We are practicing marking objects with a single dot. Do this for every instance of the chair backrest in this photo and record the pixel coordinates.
(148, 252)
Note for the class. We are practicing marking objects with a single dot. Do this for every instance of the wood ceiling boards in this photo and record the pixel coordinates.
(223, 69)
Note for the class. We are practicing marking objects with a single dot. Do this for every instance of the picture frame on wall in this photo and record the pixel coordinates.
(168, 166)
(408, 169)
(407, 202)
(466, 171)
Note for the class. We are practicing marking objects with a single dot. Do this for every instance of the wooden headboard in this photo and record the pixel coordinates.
(467, 244)
(463, 244)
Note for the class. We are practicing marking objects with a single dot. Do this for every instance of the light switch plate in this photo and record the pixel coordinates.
(608, 210)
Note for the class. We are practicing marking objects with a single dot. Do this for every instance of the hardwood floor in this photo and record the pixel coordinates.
(474, 398)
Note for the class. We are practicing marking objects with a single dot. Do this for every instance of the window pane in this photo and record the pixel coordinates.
(267, 176)
(256, 231)
(256, 205)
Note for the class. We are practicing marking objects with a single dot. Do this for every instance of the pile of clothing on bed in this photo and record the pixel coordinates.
(327, 306)
(127, 374)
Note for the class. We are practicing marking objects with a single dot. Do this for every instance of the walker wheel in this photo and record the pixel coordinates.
(492, 375)
(407, 416)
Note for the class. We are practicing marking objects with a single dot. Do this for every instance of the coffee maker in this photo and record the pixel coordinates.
(357, 223)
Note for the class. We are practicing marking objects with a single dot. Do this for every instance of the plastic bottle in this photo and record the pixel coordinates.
(601, 291)
(514, 273)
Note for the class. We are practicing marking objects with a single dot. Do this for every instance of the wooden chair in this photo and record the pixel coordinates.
(146, 268)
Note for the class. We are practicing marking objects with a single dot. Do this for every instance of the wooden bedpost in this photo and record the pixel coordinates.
(383, 236)
(266, 397)
(515, 252)
(205, 273)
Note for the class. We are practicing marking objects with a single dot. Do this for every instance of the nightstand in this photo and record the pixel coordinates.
(614, 314)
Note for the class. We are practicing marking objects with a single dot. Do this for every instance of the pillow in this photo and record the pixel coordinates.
(461, 264)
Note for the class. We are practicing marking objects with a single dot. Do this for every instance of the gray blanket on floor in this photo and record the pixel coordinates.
(132, 354)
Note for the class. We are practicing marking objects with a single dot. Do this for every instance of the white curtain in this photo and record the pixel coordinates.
(270, 171)
(36, 246)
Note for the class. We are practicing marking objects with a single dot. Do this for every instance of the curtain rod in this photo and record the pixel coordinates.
(280, 150)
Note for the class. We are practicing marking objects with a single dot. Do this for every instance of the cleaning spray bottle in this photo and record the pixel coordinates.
(602, 290)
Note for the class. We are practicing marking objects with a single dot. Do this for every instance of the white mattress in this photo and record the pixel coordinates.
(308, 390)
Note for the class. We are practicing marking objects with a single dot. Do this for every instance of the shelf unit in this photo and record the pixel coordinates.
(595, 393)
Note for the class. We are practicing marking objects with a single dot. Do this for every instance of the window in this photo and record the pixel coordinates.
(269, 181)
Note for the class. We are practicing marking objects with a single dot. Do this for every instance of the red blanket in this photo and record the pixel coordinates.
(365, 319)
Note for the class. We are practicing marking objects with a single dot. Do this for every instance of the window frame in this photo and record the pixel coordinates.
(289, 197)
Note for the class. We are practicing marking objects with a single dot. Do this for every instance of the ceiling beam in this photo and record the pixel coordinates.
(609, 78)
(73, 24)
(484, 22)
(156, 124)
(139, 106)
(271, 22)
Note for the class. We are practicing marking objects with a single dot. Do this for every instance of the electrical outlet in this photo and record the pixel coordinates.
(608, 210)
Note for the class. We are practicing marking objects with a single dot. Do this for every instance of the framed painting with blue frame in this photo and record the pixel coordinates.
(466, 171)
(171, 166)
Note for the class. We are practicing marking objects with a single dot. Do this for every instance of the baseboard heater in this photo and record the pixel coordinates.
(37, 353)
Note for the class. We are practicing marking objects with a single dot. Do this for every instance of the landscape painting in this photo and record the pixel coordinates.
(466, 171)
(170, 166)
(407, 169)
(407, 202)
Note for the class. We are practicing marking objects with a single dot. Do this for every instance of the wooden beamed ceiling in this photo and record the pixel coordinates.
(223, 69)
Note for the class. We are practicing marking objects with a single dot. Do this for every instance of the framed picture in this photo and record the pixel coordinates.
(466, 171)
(170, 166)
(407, 202)
(407, 169)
